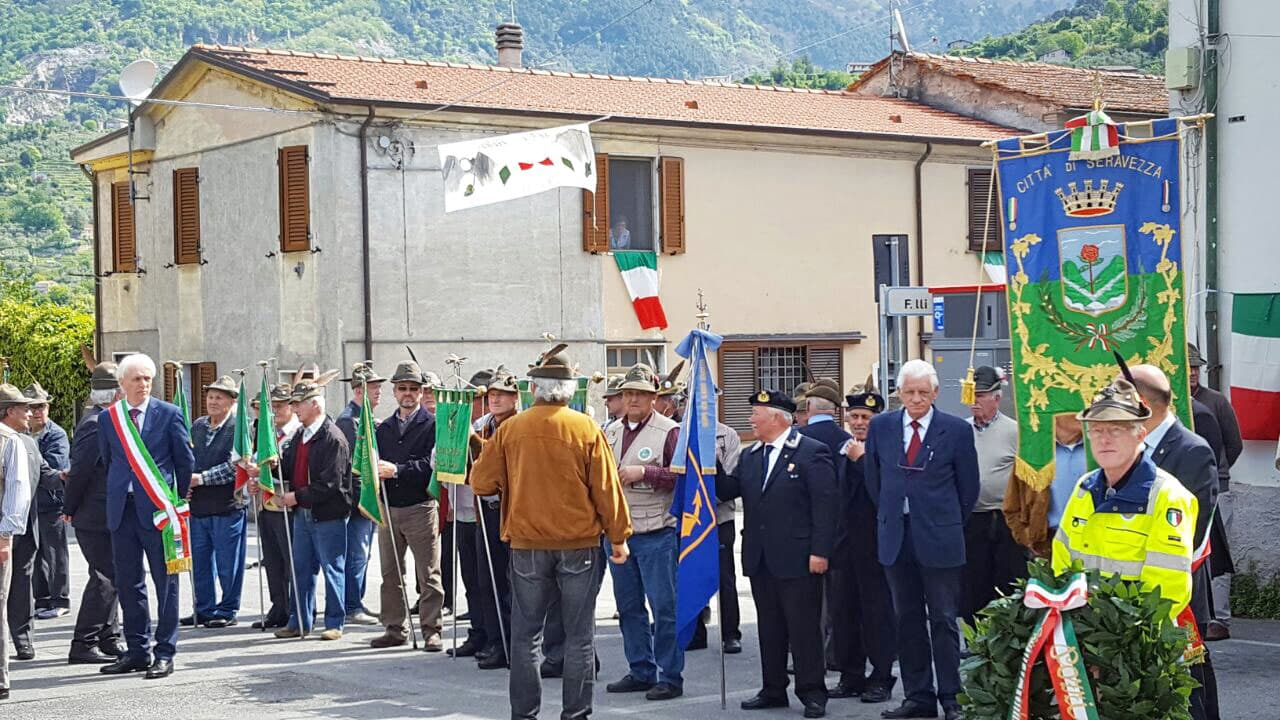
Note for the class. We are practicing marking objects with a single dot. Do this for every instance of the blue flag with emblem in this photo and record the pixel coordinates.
(694, 501)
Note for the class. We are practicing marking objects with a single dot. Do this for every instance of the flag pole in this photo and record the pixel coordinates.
(191, 576)
(702, 317)
(254, 501)
(288, 540)
(391, 528)
(453, 586)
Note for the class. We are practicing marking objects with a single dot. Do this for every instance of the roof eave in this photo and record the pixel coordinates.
(97, 142)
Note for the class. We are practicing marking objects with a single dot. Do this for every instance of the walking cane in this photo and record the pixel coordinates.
(493, 581)
(288, 540)
(395, 554)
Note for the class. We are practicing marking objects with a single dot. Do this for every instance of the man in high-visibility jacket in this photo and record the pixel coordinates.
(1128, 517)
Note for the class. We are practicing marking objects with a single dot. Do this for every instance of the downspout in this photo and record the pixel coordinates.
(97, 267)
(919, 189)
(364, 235)
(1213, 358)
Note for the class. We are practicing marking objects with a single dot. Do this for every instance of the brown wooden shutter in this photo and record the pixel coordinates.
(206, 373)
(671, 205)
(979, 183)
(737, 383)
(595, 210)
(170, 382)
(186, 216)
(826, 362)
(295, 199)
(124, 244)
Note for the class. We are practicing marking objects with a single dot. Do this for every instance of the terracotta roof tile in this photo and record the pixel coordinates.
(592, 95)
(1067, 87)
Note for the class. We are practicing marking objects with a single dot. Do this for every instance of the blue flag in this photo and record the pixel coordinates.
(694, 502)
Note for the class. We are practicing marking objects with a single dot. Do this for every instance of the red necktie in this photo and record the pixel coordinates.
(913, 448)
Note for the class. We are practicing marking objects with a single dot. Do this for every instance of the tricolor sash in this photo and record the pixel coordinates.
(1055, 637)
(1187, 618)
(171, 515)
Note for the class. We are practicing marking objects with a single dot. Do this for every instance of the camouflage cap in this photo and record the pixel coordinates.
(37, 394)
(1117, 402)
(104, 377)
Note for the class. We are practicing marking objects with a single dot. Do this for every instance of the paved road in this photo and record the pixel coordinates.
(242, 674)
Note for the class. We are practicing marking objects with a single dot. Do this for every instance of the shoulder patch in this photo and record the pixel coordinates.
(1173, 516)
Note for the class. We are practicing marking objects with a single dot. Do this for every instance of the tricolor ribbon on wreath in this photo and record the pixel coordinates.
(171, 516)
(1187, 619)
(1055, 637)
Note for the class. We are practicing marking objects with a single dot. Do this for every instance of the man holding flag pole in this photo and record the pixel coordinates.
(273, 528)
(184, 413)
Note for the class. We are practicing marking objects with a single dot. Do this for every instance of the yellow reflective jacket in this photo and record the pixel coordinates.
(1143, 531)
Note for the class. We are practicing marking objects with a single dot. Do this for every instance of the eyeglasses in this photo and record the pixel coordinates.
(918, 468)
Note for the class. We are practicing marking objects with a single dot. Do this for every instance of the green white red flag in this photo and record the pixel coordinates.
(1255, 364)
(242, 441)
(639, 270)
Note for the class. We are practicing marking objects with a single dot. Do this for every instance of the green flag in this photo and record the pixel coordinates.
(267, 449)
(180, 399)
(364, 462)
(242, 441)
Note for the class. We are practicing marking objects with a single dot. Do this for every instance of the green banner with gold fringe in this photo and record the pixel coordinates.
(453, 429)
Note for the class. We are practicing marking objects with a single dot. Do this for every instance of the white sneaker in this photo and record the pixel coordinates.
(51, 613)
(362, 618)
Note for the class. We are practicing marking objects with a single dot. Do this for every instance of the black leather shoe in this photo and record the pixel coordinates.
(192, 621)
(217, 622)
(910, 709)
(26, 652)
(125, 665)
(88, 656)
(267, 624)
(877, 693)
(627, 684)
(493, 662)
(161, 668)
(549, 670)
(487, 650)
(663, 691)
(4, 693)
(113, 647)
(814, 709)
(763, 702)
(697, 643)
(466, 649)
(845, 690)
(953, 713)
(732, 647)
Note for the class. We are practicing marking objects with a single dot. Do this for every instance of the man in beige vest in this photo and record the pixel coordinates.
(17, 486)
(643, 444)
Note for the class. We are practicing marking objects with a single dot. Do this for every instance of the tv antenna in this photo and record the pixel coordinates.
(136, 81)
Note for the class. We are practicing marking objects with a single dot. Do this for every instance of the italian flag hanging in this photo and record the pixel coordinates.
(1255, 364)
(1093, 137)
(639, 270)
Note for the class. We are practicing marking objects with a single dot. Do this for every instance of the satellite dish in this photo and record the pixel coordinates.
(136, 80)
(900, 31)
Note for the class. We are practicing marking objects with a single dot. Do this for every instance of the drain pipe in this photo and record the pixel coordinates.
(364, 234)
(919, 190)
(97, 266)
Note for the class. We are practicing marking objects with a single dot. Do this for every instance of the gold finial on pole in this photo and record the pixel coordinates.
(702, 312)
(1097, 90)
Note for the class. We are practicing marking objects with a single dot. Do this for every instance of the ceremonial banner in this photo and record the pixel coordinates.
(364, 462)
(578, 403)
(1094, 260)
(453, 433)
(267, 449)
(242, 441)
(494, 169)
(1255, 364)
(694, 500)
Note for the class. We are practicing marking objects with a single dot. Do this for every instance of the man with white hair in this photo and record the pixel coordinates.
(147, 451)
(994, 558)
(314, 467)
(787, 483)
(560, 491)
(922, 474)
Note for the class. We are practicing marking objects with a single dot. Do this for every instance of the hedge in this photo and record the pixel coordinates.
(43, 342)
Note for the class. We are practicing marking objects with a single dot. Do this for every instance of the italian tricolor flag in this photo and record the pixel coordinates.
(639, 270)
(1255, 364)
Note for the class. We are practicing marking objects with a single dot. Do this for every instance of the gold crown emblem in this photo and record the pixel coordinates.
(763, 396)
(871, 402)
(1091, 201)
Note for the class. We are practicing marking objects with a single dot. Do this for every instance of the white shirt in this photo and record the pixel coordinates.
(311, 430)
(907, 432)
(16, 502)
(775, 451)
(1157, 435)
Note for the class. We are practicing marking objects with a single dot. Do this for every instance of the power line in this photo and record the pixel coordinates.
(159, 101)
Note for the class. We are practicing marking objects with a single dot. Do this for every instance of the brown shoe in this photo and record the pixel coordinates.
(1217, 631)
(387, 639)
(331, 634)
(287, 632)
(433, 643)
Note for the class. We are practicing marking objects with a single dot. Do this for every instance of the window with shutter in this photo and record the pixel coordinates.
(170, 382)
(671, 210)
(124, 246)
(746, 368)
(295, 199)
(595, 210)
(206, 373)
(979, 183)
(826, 362)
(186, 216)
(737, 382)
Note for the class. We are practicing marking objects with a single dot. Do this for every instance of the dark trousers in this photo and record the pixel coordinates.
(97, 623)
(492, 565)
(926, 603)
(994, 560)
(469, 559)
(553, 636)
(275, 564)
(863, 627)
(728, 598)
(130, 544)
(789, 615)
(21, 603)
(52, 578)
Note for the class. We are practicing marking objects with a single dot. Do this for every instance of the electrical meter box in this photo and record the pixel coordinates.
(954, 308)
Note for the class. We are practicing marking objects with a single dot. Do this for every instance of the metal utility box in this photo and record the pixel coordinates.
(1182, 68)
(953, 329)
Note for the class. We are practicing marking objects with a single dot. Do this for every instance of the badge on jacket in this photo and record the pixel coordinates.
(1173, 516)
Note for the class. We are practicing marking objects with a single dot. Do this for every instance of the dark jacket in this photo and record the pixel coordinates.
(1187, 457)
(834, 437)
(55, 448)
(166, 439)
(790, 518)
(86, 490)
(327, 491)
(411, 452)
(1232, 443)
(942, 487)
(208, 499)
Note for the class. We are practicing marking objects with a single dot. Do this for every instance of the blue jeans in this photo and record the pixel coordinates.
(649, 573)
(318, 547)
(218, 545)
(359, 542)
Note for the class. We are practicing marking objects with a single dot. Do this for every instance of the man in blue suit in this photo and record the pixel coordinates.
(922, 474)
(130, 512)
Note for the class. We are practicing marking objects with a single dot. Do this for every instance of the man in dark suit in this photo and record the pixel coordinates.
(788, 488)
(1190, 459)
(922, 473)
(96, 638)
(131, 504)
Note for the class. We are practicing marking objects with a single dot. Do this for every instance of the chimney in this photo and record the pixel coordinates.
(510, 44)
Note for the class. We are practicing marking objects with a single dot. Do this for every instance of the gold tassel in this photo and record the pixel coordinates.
(178, 565)
(968, 388)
